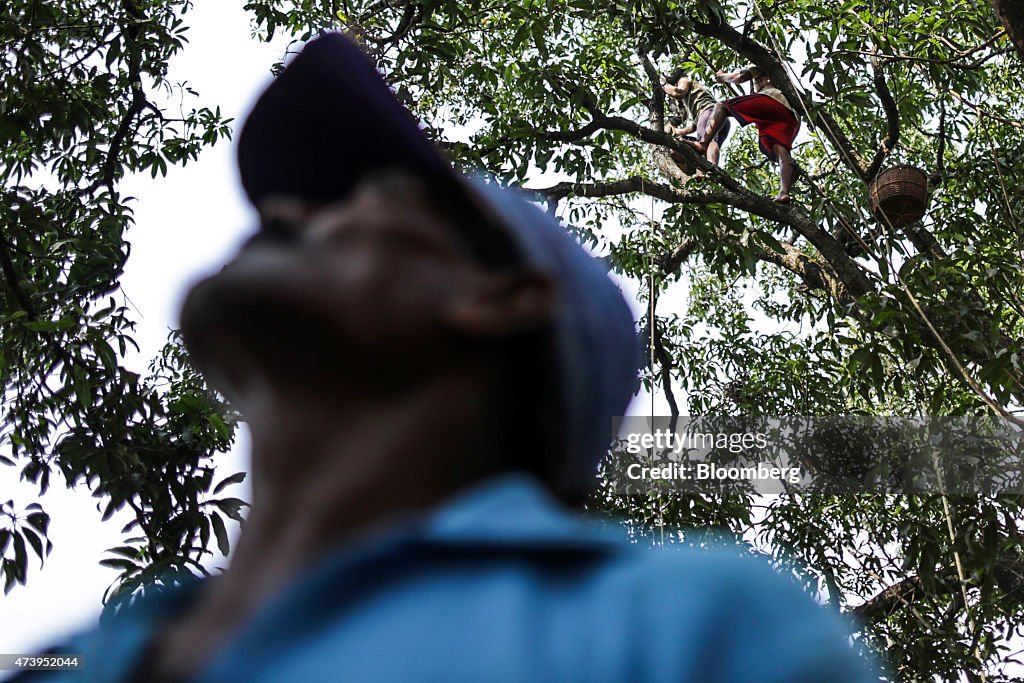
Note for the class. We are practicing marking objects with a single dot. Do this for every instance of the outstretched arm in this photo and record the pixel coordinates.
(734, 77)
(677, 91)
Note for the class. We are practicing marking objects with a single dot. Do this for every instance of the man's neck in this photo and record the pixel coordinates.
(323, 473)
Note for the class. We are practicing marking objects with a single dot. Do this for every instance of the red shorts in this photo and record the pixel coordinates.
(776, 124)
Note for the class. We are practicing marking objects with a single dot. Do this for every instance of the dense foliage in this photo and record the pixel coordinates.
(80, 107)
(817, 308)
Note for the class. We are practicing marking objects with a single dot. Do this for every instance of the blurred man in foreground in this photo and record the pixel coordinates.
(427, 365)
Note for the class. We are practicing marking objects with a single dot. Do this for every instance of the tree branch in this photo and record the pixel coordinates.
(961, 54)
(668, 164)
(814, 274)
(671, 261)
(631, 185)
(982, 111)
(1011, 14)
(839, 274)
(892, 118)
(656, 105)
(938, 175)
(136, 106)
(573, 135)
(13, 281)
(665, 360)
(904, 593)
(657, 137)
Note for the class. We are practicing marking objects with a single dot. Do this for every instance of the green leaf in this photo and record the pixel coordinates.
(20, 557)
(10, 575)
(35, 543)
(231, 507)
(223, 431)
(40, 521)
(235, 478)
(221, 533)
(126, 551)
(119, 563)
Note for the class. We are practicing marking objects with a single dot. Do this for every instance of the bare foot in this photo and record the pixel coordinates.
(699, 175)
(697, 145)
(783, 199)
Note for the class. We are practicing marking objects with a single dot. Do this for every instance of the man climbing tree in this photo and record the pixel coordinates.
(691, 102)
(767, 108)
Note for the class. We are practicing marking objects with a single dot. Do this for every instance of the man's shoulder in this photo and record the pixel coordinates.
(706, 575)
(712, 555)
(737, 609)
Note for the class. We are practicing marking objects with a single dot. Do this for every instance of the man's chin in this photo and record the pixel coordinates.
(232, 327)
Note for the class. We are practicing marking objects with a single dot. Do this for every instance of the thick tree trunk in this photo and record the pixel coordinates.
(1011, 13)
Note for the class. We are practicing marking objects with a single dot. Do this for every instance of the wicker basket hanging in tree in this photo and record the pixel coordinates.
(899, 195)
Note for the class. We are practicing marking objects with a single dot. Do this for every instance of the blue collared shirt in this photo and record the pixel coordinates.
(502, 584)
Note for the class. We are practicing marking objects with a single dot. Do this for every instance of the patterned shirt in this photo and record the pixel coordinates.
(692, 105)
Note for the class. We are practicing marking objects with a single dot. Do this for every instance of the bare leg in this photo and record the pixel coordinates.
(715, 123)
(786, 169)
(713, 151)
(712, 155)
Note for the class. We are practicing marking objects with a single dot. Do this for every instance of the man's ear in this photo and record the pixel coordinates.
(503, 304)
